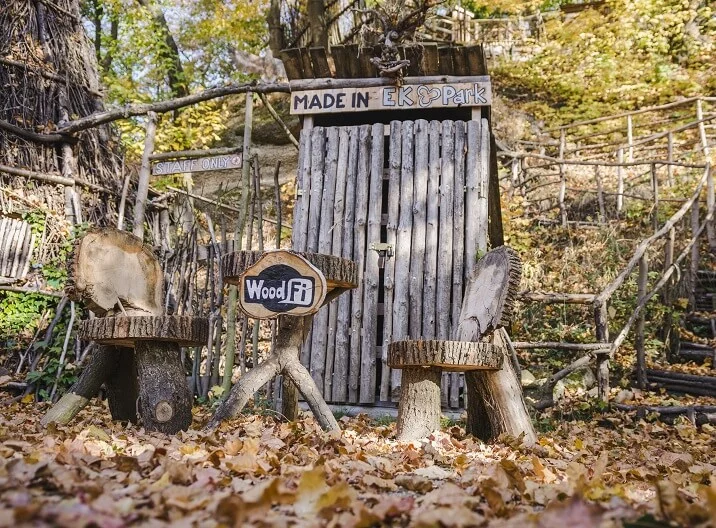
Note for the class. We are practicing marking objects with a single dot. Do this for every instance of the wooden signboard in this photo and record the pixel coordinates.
(211, 163)
(281, 283)
(405, 97)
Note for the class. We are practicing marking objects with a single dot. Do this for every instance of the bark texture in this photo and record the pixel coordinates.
(419, 408)
(339, 272)
(183, 330)
(495, 404)
(448, 355)
(164, 397)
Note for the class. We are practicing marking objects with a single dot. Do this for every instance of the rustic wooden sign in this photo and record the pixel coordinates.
(406, 97)
(210, 163)
(279, 283)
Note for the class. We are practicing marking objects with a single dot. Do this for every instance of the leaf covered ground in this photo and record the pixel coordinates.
(257, 471)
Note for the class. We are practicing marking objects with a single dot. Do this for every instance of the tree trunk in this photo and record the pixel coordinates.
(495, 403)
(419, 410)
(276, 37)
(317, 21)
(164, 397)
(122, 389)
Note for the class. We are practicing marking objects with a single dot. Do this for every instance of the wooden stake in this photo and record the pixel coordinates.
(639, 339)
(144, 172)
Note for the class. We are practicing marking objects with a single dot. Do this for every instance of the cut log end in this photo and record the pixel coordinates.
(458, 356)
(65, 409)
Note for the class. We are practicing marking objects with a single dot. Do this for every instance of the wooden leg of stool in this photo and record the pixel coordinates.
(419, 408)
(122, 388)
(164, 397)
(100, 366)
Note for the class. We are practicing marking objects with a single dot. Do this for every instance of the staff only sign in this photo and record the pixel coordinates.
(211, 163)
(405, 97)
(281, 282)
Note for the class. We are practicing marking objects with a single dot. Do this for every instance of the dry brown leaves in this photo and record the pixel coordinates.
(260, 472)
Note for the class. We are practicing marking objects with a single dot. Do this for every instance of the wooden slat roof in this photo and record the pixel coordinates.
(353, 62)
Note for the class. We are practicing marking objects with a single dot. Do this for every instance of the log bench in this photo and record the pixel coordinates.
(423, 363)
(265, 292)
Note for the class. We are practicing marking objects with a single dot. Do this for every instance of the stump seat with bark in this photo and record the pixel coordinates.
(119, 278)
(494, 399)
(263, 278)
(422, 363)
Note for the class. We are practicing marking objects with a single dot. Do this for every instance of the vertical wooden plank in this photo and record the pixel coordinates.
(367, 68)
(394, 161)
(446, 233)
(475, 58)
(655, 194)
(343, 330)
(306, 63)
(371, 276)
(352, 51)
(476, 176)
(417, 260)
(670, 157)
(431, 61)
(336, 249)
(359, 254)
(340, 61)
(445, 65)
(303, 193)
(562, 177)
(702, 129)
(325, 240)
(317, 155)
(401, 293)
(459, 61)
(431, 232)
(320, 62)
(458, 252)
(415, 55)
(292, 62)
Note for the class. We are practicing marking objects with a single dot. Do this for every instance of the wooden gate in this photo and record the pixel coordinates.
(408, 203)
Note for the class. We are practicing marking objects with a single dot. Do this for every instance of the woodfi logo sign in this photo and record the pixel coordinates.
(290, 290)
(281, 282)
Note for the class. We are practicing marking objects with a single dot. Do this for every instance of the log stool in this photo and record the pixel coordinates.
(119, 278)
(423, 363)
(292, 287)
(165, 400)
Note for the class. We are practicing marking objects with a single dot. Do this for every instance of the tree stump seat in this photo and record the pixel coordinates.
(331, 276)
(183, 330)
(422, 363)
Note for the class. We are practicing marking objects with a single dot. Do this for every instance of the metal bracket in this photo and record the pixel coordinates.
(384, 250)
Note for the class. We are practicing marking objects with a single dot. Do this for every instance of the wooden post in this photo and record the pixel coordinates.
(694, 268)
(601, 327)
(238, 240)
(630, 139)
(600, 194)
(123, 198)
(639, 339)
(702, 129)
(666, 295)
(709, 204)
(144, 171)
(655, 194)
(620, 180)
(562, 177)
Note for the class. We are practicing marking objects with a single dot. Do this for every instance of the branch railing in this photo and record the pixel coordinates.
(605, 348)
